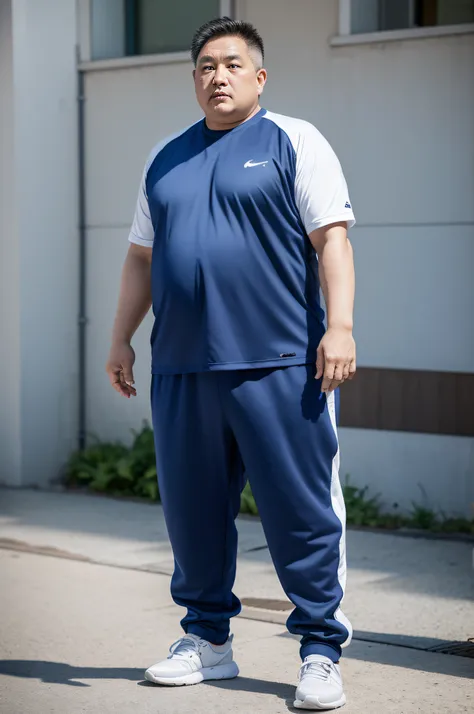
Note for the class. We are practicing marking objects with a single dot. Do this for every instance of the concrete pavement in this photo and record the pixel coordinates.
(78, 629)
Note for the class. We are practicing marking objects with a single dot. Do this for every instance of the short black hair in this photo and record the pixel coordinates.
(222, 26)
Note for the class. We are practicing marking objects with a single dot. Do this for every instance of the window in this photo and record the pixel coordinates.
(123, 28)
(380, 15)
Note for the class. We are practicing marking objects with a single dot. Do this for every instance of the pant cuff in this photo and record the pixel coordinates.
(216, 638)
(320, 648)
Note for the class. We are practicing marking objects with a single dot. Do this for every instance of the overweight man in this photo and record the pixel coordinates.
(240, 219)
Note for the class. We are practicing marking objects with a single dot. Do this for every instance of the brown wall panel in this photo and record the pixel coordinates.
(409, 400)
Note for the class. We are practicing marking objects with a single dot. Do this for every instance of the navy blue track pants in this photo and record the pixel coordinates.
(272, 426)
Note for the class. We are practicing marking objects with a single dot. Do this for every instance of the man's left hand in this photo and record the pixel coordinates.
(336, 358)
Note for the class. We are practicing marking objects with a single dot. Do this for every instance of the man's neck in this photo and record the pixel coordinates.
(226, 126)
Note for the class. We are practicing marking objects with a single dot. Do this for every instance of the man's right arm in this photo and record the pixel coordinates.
(133, 304)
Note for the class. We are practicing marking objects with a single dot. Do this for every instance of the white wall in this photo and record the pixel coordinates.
(429, 470)
(414, 311)
(44, 241)
(400, 116)
(9, 288)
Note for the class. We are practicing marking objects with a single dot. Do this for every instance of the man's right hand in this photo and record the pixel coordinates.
(120, 369)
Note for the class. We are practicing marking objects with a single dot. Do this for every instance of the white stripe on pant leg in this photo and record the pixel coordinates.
(337, 500)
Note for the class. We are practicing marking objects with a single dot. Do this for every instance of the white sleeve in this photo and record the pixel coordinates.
(142, 232)
(320, 187)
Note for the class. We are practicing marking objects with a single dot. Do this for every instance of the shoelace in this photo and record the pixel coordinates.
(320, 670)
(184, 647)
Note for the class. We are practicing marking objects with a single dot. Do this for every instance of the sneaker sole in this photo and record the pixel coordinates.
(314, 704)
(222, 671)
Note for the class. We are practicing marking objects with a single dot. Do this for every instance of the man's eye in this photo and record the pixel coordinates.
(234, 66)
(208, 67)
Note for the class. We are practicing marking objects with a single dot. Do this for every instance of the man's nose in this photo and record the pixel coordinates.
(220, 75)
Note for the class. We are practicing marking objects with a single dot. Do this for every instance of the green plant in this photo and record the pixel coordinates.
(116, 469)
(360, 510)
(96, 467)
(247, 501)
(456, 525)
(422, 517)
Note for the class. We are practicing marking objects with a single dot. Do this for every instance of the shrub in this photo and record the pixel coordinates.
(113, 468)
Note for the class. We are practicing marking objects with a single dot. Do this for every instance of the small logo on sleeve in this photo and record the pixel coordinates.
(288, 354)
(250, 164)
(348, 205)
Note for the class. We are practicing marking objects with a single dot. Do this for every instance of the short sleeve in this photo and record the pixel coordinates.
(142, 232)
(320, 187)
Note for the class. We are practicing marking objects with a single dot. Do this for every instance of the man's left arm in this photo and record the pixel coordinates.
(336, 354)
(326, 212)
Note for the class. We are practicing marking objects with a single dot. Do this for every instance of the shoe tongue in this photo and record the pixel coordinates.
(185, 644)
(190, 636)
(318, 658)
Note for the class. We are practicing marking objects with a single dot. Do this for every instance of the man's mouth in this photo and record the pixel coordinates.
(219, 95)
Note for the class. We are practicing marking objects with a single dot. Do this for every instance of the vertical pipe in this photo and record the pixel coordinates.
(82, 317)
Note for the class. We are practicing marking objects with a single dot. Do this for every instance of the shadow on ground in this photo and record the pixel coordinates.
(405, 651)
(285, 692)
(408, 656)
(61, 673)
(433, 662)
(248, 684)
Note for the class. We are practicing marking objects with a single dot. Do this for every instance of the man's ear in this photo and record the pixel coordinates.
(261, 79)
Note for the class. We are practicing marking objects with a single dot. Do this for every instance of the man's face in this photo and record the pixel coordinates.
(227, 81)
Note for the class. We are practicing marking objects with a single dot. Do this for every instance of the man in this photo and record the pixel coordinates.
(241, 210)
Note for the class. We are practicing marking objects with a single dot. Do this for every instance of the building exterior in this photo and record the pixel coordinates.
(390, 84)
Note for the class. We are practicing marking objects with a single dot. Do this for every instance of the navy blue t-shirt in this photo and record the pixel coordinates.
(228, 213)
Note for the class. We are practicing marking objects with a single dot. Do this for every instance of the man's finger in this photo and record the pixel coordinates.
(338, 377)
(352, 369)
(328, 375)
(119, 387)
(128, 390)
(114, 374)
(118, 382)
(128, 375)
(339, 372)
(319, 363)
(345, 371)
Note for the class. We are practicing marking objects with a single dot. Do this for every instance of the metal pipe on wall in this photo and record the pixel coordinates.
(82, 316)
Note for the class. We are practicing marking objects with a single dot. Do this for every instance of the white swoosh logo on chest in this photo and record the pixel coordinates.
(250, 164)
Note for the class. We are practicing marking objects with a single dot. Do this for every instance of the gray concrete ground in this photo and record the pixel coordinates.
(79, 626)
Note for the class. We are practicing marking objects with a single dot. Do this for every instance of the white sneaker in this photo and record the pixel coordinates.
(192, 660)
(320, 684)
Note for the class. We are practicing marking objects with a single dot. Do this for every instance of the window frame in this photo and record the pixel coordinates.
(84, 14)
(346, 37)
